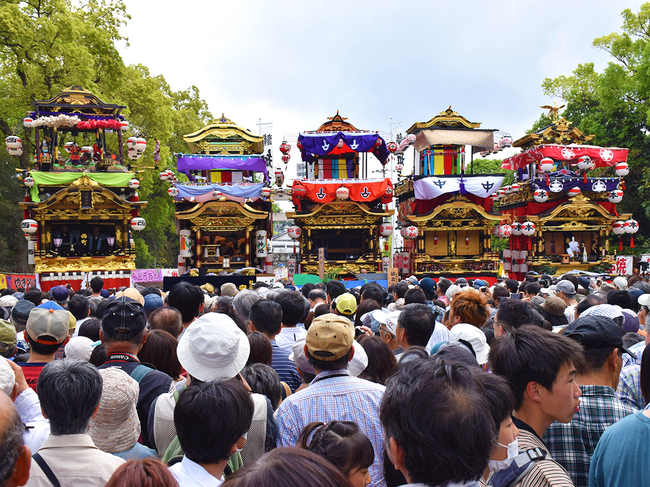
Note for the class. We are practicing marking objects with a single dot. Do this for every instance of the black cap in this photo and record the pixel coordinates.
(461, 352)
(124, 318)
(595, 331)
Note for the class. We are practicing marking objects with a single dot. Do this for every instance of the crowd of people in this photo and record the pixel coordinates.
(431, 382)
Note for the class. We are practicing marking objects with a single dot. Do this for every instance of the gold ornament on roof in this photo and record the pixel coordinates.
(553, 111)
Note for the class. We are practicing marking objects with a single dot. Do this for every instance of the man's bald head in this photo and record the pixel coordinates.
(15, 457)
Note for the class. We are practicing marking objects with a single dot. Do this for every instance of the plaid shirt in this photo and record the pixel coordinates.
(334, 395)
(572, 444)
(636, 349)
(629, 387)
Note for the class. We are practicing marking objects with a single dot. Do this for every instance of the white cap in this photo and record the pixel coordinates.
(621, 283)
(453, 289)
(213, 348)
(7, 377)
(474, 336)
(391, 321)
(79, 347)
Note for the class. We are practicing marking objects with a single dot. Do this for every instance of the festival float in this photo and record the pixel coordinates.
(338, 207)
(445, 210)
(562, 207)
(223, 213)
(81, 202)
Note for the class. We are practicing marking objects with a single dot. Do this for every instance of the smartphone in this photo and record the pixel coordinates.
(515, 295)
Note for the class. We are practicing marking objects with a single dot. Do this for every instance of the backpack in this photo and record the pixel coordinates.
(518, 469)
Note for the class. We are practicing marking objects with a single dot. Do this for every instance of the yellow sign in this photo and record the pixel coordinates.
(3, 281)
(393, 276)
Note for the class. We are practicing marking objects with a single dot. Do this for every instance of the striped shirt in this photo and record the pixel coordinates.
(285, 368)
(629, 387)
(544, 473)
(334, 395)
(572, 444)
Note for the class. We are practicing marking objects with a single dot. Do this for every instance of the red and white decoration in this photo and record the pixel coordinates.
(385, 229)
(342, 193)
(138, 224)
(411, 233)
(528, 229)
(622, 169)
(29, 226)
(615, 196)
(173, 191)
(541, 195)
(575, 191)
(134, 184)
(546, 165)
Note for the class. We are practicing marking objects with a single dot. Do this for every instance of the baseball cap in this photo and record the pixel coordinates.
(596, 332)
(413, 280)
(631, 322)
(60, 294)
(428, 285)
(461, 281)
(133, 293)
(48, 324)
(357, 365)
(469, 334)
(152, 301)
(612, 311)
(228, 289)
(644, 300)
(20, 313)
(451, 290)
(554, 305)
(80, 348)
(566, 287)
(123, 318)
(329, 337)
(213, 348)
(7, 377)
(8, 301)
(391, 321)
(620, 282)
(346, 304)
(104, 293)
(8, 338)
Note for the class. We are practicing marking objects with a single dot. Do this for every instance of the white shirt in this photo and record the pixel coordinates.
(288, 335)
(440, 334)
(570, 312)
(190, 474)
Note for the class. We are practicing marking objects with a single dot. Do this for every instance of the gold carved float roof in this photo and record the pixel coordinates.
(221, 213)
(560, 132)
(223, 136)
(76, 99)
(456, 208)
(580, 208)
(447, 118)
(337, 123)
(340, 214)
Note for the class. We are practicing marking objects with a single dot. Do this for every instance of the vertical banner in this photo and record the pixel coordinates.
(321, 262)
(623, 266)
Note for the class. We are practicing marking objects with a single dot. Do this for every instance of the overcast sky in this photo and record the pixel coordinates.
(294, 63)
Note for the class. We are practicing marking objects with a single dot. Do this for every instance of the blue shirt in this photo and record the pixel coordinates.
(285, 368)
(335, 395)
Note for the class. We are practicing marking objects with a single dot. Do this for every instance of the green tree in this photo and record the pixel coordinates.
(614, 106)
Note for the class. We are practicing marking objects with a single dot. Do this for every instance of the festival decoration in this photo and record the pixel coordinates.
(265, 192)
(29, 226)
(138, 224)
(110, 124)
(385, 230)
(28, 122)
(217, 194)
(58, 121)
(505, 231)
(556, 186)
(342, 193)
(528, 229)
(599, 186)
(286, 158)
(164, 176)
(622, 169)
(540, 195)
(124, 125)
(516, 228)
(134, 184)
(547, 165)
(284, 147)
(299, 191)
(575, 191)
(615, 196)
(392, 147)
(28, 181)
(631, 227)
(14, 142)
(173, 191)
(514, 188)
(411, 232)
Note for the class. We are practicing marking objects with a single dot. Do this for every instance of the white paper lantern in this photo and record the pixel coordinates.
(185, 243)
(124, 125)
(28, 181)
(130, 142)
(28, 122)
(575, 191)
(584, 162)
(618, 227)
(29, 226)
(217, 194)
(265, 192)
(14, 142)
(528, 229)
(140, 144)
(411, 233)
(385, 229)
(342, 193)
(505, 231)
(622, 169)
(173, 191)
(294, 232)
(87, 149)
(516, 228)
(261, 244)
(133, 154)
(15, 152)
(547, 165)
(164, 176)
(631, 226)
(540, 195)
(515, 188)
(134, 184)
(615, 196)
(138, 224)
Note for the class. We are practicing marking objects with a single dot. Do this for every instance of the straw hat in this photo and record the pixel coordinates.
(116, 426)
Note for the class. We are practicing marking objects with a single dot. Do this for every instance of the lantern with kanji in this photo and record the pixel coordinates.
(392, 147)
(541, 195)
(516, 228)
(631, 227)
(173, 191)
(286, 158)
(29, 226)
(615, 196)
(284, 147)
(584, 163)
(546, 165)
(342, 193)
(138, 224)
(505, 231)
(528, 229)
(28, 181)
(411, 233)
(14, 142)
(385, 229)
(622, 169)
(618, 228)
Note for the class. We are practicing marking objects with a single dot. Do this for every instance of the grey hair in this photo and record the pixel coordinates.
(243, 302)
(11, 446)
(93, 303)
(69, 391)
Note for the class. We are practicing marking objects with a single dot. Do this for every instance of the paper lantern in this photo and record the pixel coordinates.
(130, 142)
(615, 196)
(411, 232)
(540, 195)
(134, 184)
(622, 169)
(584, 162)
(265, 192)
(294, 232)
(342, 193)
(14, 142)
(495, 197)
(173, 191)
(29, 226)
(631, 226)
(508, 189)
(378, 142)
(385, 229)
(286, 158)
(505, 231)
(299, 145)
(15, 152)
(140, 144)
(514, 188)
(502, 193)
(516, 228)
(618, 227)
(68, 147)
(399, 167)
(124, 125)
(28, 122)
(299, 191)
(86, 149)
(133, 154)
(575, 191)
(217, 194)
(556, 186)
(284, 147)
(164, 176)
(138, 224)
(528, 229)
(546, 165)
(392, 147)
(28, 181)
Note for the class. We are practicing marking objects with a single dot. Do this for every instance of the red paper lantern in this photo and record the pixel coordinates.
(299, 145)
(286, 158)
(285, 148)
(299, 191)
(392, 147)
(378, 142)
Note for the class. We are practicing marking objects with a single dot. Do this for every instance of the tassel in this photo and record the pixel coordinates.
(615, 211)
(529, 244)
(623, 184)
(584, 177)
(620, 243)
(631, 242)
(548, 180)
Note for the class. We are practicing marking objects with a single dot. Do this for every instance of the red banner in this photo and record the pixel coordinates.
(360, 190)
(601, 156)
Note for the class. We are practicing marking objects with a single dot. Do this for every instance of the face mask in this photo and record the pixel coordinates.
(513, 451)
(244, 436)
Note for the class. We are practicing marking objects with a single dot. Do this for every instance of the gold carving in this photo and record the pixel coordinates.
(112, 263)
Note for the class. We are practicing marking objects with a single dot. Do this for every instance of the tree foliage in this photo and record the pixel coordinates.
(614, 106)
(49, 45)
